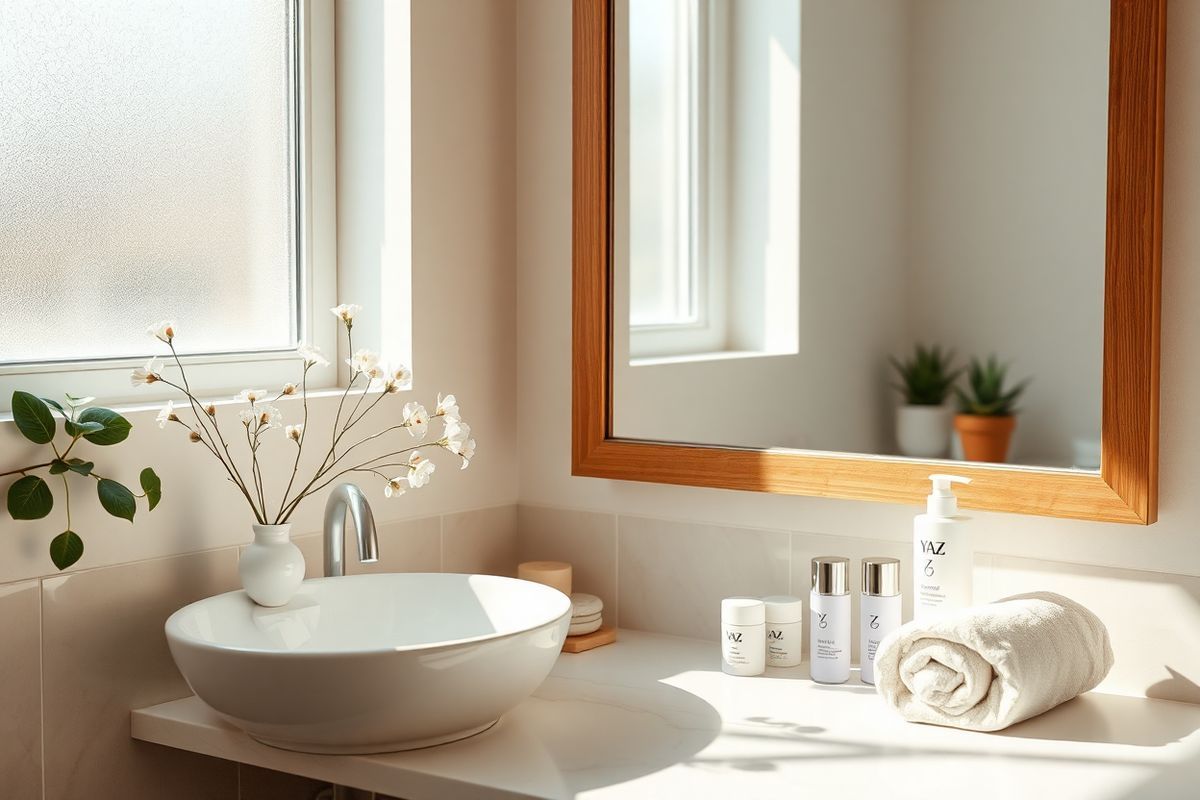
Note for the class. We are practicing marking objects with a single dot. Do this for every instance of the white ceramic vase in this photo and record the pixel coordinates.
(924, 431)
(271, 567)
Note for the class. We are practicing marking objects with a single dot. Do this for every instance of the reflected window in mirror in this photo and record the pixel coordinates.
(710, 179)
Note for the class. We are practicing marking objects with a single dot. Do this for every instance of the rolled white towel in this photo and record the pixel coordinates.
(990, 666)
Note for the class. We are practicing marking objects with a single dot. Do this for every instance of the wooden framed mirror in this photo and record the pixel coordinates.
(1128, 161)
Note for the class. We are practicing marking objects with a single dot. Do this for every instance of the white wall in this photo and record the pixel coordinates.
(999, 259)
(1168, 551)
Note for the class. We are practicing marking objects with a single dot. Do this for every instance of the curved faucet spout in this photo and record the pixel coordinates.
(348, 497)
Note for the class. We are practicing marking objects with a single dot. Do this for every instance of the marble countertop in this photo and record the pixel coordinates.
(653, 717)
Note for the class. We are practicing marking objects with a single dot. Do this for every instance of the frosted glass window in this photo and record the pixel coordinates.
(662, 272)
(147, 170)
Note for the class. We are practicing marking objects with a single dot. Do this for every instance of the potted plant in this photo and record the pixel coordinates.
(987, 413)
(272, 567)
(923, 422)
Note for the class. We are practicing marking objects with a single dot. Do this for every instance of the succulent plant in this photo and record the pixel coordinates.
(988, 396)
(927, 375)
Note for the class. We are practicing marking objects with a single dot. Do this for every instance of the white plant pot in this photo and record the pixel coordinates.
(924, 431)
(271, 567)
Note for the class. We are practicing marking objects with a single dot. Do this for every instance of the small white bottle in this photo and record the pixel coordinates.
(829, 620)
(743, 636)
(943, 557)
(879, 609)
(785, 630)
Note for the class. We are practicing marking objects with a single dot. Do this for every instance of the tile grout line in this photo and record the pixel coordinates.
(42, 683)
(617, 570)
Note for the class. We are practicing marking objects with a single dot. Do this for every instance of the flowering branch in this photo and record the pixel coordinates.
(259, 416)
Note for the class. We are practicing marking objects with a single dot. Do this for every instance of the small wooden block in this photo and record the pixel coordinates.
(587, 641)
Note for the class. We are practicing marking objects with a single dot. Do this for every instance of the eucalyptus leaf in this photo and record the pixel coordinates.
(29, 498)
(82, 428)
(80, 467)
(66, 549)
(58, 466)
(54, 404)
(115, 427)
(116, 499)
(33, 418)
(152, 486)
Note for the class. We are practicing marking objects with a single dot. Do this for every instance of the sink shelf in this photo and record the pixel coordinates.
(652, 716)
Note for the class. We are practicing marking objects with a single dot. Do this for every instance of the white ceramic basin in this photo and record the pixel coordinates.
(372, 663)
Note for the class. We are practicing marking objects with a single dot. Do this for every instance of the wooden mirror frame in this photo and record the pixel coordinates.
(1125, 490)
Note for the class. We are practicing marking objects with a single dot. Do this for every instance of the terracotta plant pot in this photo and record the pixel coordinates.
(985, 438)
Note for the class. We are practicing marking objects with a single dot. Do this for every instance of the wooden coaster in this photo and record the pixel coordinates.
(578, 644)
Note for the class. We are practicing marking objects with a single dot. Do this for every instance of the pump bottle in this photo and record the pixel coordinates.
(943, 555)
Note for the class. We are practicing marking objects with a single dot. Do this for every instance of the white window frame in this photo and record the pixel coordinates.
(217, 374)
(705, 330)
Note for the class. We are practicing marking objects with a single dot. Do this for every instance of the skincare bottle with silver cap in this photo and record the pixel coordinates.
(879, 609)
(785, 630)
(829, 620)
(743, 636)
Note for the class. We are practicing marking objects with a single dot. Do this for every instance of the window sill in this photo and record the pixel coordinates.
(222, 402)
(691, 358)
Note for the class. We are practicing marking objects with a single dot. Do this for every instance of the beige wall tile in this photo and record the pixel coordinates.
(411, 545)
(482, 541)
(256, 783)
(1152, 618)
(105, 653)
(585, 539)
(20, 690)
(672, 576)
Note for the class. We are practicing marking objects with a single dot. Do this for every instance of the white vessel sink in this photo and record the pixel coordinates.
(372, 663)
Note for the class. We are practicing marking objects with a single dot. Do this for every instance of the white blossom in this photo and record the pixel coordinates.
(396, 378)
(447, 407)
(345, 312)
(146, 374)
(416, 418)
(456, 435)
(268, 416)
(312, 355)
(393, 488)
(420, 470)
(288, 389)
(363, 361)
(250, 396)
(467, 452)
(163, 331)
(166, 414)
(247, 416)
(294, 432)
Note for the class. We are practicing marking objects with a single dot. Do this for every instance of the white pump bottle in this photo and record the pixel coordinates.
(943, 554)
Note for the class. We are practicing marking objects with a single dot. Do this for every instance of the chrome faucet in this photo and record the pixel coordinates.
(348, 497)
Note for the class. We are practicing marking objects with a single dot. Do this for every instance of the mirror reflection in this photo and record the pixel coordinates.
(867, 226)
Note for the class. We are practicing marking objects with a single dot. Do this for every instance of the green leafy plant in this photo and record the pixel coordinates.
(30, 497)
(988, 397)
(927, 376)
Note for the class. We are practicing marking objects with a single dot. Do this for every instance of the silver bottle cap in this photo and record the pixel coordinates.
(831, 575)
(881, 576)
